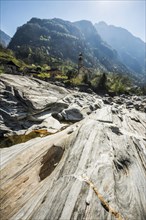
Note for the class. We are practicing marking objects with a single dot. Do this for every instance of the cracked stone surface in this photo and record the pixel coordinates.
(91, 169)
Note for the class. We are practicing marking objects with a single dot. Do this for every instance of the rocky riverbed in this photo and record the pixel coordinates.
(70, 155)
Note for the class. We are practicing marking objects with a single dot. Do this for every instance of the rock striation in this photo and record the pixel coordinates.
(27, 104)
(93, 168)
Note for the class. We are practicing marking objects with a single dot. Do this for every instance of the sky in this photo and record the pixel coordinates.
(129, 14)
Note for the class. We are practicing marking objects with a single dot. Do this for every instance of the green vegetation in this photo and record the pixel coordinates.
(7, 55)
(118, 83)
(67, 72)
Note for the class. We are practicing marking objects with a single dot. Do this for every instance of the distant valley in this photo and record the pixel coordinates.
(131, 49)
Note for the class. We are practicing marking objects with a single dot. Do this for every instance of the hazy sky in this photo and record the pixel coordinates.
(123, 13)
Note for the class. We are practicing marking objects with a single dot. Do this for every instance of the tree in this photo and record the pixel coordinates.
(102, 87)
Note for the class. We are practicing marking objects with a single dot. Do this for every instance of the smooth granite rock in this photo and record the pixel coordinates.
(91, 169)
(26, 102)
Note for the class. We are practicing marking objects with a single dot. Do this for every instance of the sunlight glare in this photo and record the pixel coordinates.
(105, 5)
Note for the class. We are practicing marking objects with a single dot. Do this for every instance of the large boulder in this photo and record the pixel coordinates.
(72, 114)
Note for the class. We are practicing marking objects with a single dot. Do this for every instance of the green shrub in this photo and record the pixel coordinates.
(118, 83)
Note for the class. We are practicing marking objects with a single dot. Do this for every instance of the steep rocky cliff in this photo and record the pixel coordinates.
(40, 39)
(91, 164)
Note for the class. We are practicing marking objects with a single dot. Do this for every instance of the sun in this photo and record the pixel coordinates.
(107, 4)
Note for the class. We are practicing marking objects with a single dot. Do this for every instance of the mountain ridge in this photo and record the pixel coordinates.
(131, 49)
(64, 39)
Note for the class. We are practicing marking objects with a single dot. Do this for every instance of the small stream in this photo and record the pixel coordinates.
(17, 139)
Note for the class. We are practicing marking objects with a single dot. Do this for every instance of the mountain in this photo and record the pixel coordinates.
(131, 49)
(4, 39)
(100, 49)
(40, 39)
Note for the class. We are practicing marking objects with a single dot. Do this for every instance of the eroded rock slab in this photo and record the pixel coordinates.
(94, 169)
(28, 103)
